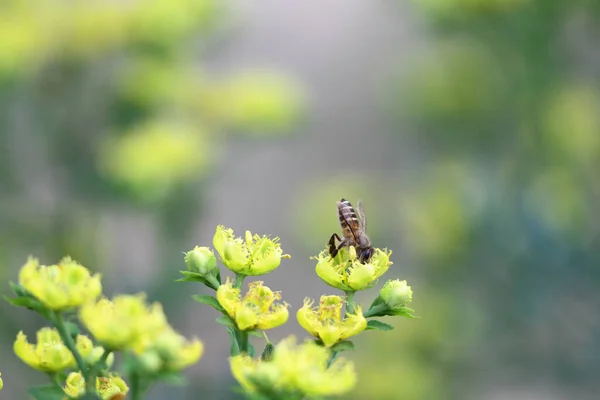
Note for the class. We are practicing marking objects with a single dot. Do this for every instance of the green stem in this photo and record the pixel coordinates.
(350, 304)
(239, 280)
(242, 339)
(134, 380)
(213, 281)
(373, 312)
(55, 379)
(68, 341)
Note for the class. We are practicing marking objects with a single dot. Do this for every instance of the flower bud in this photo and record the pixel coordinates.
(396, 293)
(201, 260)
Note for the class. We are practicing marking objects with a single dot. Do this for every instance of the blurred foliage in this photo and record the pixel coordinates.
(505, 105)
(109, 117)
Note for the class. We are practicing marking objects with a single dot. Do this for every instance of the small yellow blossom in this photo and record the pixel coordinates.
(1, 383)
(347, 273)
(61, 286)
(294, 370)
(255, 255)
(111, 387)
(326, 324)
(49, 354)
(257, 310)
(120, 323)
(167, 350)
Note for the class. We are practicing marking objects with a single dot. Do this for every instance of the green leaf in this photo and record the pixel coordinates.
(209, 300)
(226, 321)
(404, 312)
(171, 377)
(46, 392)
(234, 348)
(191, 277)
(344, 345)
(18, 289)
(378, 326)
(257, 334)
(378, 300)
(24, 301)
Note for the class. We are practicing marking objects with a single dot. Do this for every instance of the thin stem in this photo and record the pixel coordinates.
(350, 304)
(68, 341)
(55, 379)
(375, 310)
(213, 281)
(242, 339)
(134, 380)
(239, 280)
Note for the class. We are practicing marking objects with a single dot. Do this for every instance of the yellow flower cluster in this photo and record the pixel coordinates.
(61, 286)
(255, 255)
(127, 322)
(256, 310)
(50, 354)
(325, 322)
(294, 371)
(346, 272)
(111, 387)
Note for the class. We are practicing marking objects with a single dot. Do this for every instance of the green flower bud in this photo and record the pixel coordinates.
(396, 293)
(201, 260)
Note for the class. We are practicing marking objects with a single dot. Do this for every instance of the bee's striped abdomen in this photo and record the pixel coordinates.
(348, 220)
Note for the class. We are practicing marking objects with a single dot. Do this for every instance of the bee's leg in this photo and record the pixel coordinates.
(332, 248)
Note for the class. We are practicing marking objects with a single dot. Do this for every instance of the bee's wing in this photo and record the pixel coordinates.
(360, 209)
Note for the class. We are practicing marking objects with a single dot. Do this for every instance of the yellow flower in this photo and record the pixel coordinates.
(168, 350)
(111, 387)
(1, 383)
(347, 273)
(49, 354)
(61, 286)
(257, 310)
(120, 323)
(299, 370)
(255, 255)
(396, 293)
(325, 323)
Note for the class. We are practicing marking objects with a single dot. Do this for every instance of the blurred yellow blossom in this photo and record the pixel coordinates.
(120, 323)
(67, 284)
(154, 157)
(325, 322)
(50, 353)
(167, 350)
(257, 310)
(110, 387)
(301, 370)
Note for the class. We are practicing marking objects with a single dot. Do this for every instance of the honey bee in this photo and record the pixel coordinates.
(354, 231)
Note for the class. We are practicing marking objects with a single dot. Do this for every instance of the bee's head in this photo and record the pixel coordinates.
(366, 254)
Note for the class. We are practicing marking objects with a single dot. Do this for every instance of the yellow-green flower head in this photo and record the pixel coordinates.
(325, 322)
(168, 350)
(90, 353)
(201, 260)
(257, 310)
(1, 383)
(255, 255)
(110, 387)
(50, 354)
(61, 286)
(396, 293)
(346, 272)
(299, 369)
(120, 323)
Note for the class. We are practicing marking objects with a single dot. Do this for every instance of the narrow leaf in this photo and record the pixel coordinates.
(46, 392)
(345, 345)
(226, 321)
(257, 334)
(209, 300)
(378, 326)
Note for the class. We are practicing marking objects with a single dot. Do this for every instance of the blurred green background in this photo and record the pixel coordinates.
(470, 128)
